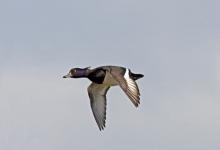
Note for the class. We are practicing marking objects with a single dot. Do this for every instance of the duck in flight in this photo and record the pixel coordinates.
(102, 79)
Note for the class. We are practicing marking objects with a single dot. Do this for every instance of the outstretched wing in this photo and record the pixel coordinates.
(97, 95)
(128, 85)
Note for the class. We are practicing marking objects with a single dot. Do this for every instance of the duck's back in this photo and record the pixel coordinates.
(118, 69)
(102, 75)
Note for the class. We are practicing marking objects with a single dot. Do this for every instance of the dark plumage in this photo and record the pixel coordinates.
(102, 79)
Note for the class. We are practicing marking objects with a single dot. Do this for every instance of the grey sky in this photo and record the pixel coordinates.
(175, 44)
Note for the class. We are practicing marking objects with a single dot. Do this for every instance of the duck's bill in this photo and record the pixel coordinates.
(67, 76)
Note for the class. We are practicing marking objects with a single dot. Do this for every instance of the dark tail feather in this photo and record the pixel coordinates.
(136, 76)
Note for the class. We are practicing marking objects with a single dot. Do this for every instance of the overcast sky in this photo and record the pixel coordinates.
(175, 44)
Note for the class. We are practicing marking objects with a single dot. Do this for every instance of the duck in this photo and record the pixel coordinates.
(102, 79)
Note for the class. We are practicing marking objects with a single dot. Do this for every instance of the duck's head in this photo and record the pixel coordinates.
(77, 73)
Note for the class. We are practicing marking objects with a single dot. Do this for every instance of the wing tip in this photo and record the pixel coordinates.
(136, 103)
(101, 127)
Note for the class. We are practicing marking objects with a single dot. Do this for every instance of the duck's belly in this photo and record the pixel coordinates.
(109, 80)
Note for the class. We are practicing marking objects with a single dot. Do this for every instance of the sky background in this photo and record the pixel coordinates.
(175, 44)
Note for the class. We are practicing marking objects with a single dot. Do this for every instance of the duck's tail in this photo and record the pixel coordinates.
(136, 76)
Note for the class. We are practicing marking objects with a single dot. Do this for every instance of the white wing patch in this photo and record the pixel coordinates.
(132, 88)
